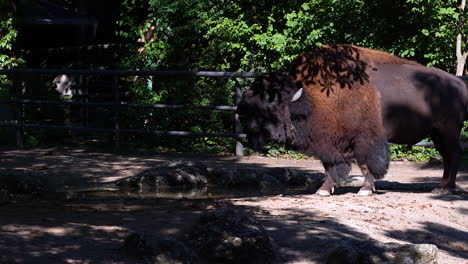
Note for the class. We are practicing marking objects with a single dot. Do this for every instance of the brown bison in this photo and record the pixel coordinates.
(344, 103)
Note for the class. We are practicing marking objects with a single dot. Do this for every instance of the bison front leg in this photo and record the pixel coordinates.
(328, 186)
(334, 173)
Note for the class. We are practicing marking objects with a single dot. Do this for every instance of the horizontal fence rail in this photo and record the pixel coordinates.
(154, 106)
(116, 105)
(124, 130)
(135, 73)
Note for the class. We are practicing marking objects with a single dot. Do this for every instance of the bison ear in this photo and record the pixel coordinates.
(297, 95)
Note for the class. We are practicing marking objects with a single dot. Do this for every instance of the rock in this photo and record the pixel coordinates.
(282, 175)
(264, 177)
(230, 236)
(270, 183)
(352, 181)
(158, 250)
(308, 179)
(350, 251)
(178, 174)
(25, 182)
(185, 193)
(234, 177)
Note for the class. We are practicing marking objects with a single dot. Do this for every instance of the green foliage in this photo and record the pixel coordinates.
(464, 133)
(8, 33)
(277, 151)
(7, 37)
(246, 35)
(413, 153)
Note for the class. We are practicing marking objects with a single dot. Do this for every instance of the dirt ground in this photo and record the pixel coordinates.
(304, 226)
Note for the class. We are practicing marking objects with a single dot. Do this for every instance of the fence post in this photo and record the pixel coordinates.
(237, 124)
(18, 111)
(115, 88)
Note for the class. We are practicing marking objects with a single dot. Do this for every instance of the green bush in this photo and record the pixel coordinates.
(245, 35)
(237, 35)
(413, 153)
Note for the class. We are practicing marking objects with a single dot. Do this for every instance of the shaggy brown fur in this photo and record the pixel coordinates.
(346, 109)
(353, 101)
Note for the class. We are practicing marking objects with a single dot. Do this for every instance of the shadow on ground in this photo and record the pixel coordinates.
(92, 230)
(444, 237)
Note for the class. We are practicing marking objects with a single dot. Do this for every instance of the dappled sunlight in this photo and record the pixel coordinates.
(309, 225)
(44, 244)
(454, 241)
(89, 228)
(89, 231)
(305, 234)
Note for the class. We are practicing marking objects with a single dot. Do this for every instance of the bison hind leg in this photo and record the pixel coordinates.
(338, 171)
(447, 142)
(374, 165)
(376, 157)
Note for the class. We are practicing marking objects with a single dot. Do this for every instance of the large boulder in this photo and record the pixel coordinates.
(264, 177)
(230, 236)
(158, 250)
(350, 252)
(23, 182)
(175, 174)
(228, 177)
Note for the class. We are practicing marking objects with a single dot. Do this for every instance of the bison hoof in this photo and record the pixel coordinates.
(448, 191)
(365, 192)
(440, 191)
(323, 193)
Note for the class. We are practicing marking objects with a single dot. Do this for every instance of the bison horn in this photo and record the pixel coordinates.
(297, 95)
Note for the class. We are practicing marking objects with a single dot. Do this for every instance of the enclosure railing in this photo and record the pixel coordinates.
(116, 105)
(18, 123)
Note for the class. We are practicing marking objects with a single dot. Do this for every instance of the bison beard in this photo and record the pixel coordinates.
(342, 103)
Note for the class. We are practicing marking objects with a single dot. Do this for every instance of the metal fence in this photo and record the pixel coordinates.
(116, 104)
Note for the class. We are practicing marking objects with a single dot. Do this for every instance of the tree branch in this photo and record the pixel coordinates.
(462, 52)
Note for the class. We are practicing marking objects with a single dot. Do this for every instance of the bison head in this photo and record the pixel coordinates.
(264, 109)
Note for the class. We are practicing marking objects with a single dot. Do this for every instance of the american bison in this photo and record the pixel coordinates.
(344, 103)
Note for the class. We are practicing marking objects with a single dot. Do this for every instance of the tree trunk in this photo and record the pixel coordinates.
(462, 50)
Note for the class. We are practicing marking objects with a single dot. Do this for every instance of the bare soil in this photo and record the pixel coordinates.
(305, 226)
